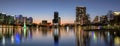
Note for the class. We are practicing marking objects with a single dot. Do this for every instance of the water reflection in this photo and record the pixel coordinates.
(56, 34)
(97, 38)
(17, 38)
(44, 31)
(63, 36)
(117, 41)
(3, 40)
(12, 39)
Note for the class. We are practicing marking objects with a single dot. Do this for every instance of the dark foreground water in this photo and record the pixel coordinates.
(56, 37)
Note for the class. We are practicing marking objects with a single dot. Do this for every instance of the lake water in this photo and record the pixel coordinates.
(56, 37)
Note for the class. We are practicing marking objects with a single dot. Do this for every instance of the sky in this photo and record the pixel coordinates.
(44, 9)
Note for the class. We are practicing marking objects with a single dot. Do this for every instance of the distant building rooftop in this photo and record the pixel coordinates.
(116, 13)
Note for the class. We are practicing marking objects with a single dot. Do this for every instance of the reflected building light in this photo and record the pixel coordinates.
(108, 33)
(99, 27)
(30, 34)
(37, 29)
(114, 32)
(67, 28)
(24, 31)
(12, 39)
(3, 40)
(79, 28)
(117, 41)
(24, 27)
(109, 38)
(94, 36)
(56, 36)
(17, 38)
(0, 28)
(56, 31)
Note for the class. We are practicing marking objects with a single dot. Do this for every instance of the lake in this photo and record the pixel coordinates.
(44, 36)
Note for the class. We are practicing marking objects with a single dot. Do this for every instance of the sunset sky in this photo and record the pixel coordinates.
(44, 9)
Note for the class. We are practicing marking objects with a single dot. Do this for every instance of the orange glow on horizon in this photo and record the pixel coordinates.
(62, 22)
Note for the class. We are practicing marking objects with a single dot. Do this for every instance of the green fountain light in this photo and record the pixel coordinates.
(24, 27)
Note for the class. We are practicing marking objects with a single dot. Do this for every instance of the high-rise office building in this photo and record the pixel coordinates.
(96, 19)
(2, 18)
(116, 18)
(6, 19)
(57, 19)
(29, 21)
(81, 17)
(56, 14)
(19, 19)
(10, 19)
(104, 19)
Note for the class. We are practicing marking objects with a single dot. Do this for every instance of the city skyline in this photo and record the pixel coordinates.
(44, 10)
(59, 23)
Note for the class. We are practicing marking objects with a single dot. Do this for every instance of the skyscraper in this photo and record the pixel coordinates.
(2, 18)
(96, 19)
(81, 17)
(29, 21)
(116, 18)
(19, 19)
(10, 19)
(56, 14)
(104, 19)
(6, 19)
(57, 19)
